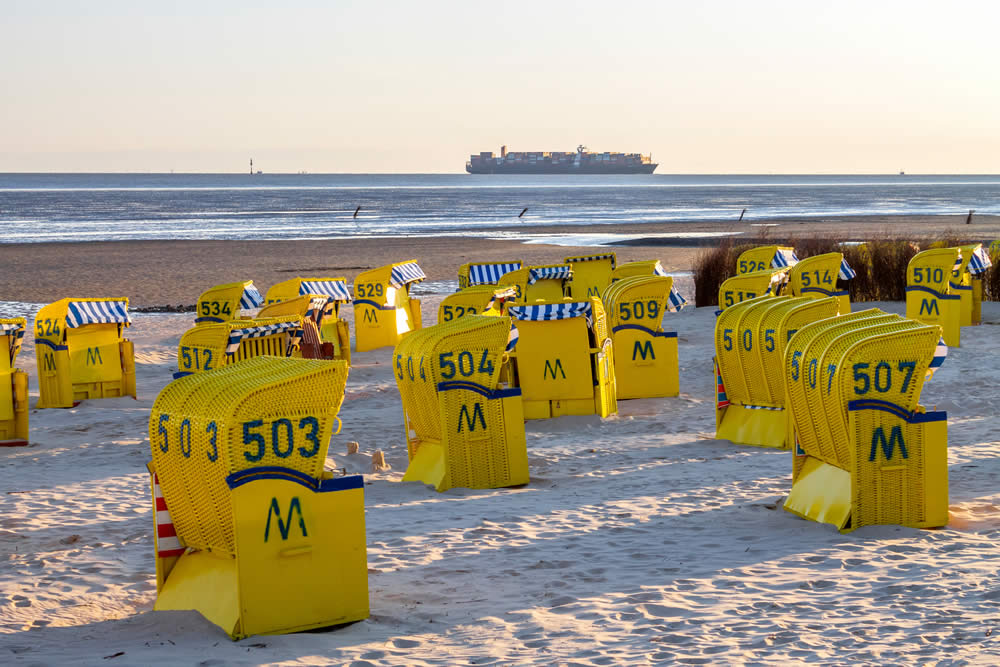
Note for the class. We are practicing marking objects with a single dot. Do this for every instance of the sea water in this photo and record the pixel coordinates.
(103, 207)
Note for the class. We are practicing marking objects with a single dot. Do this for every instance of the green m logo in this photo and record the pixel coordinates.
(284, 526)
(550, 368)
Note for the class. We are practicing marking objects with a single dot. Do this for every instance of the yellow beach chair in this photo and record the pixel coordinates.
(929, 295)
(81, 353)
(383, 309)
(226, 302)
(464, 428)
(13, 386)
(318, 301)
(473, 300)
(750, 346)
(208, 347)
(817, 277)
(966, 281)
(645, 355)
(546, 283)
(564, 359)
(764, 258)
(250, 531)
(745, 286)
(650, 267)
(591, 274)
(484, 273)
(866, 452)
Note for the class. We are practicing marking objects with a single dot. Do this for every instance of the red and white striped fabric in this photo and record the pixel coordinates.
(167, 542)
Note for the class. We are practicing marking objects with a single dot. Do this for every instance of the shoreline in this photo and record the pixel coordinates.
(158, 273)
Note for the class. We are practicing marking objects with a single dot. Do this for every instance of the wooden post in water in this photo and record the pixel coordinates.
(356, 211)
(741, 216)
(523, 212)
(968, 220)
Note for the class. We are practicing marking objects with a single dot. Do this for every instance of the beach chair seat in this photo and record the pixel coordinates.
(645, 355)
(543, 283)
(384, 312)
(866, 452)
(251, 531)
(763, 258)
(745, 286)
(319, 300)
(473, 300)
(208, 347)
(930, 297)
(464, 427)
(650, 267)
(564, 359)
(81, 353)
(13, 385)
(591, 274)
(227, 302)
(476, 274)
(750, 345)
(817, 277)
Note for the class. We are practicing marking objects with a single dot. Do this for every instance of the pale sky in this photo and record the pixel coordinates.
(707, 87)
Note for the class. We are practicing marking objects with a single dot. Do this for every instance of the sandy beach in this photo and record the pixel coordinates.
(156, 273)
(640, 539)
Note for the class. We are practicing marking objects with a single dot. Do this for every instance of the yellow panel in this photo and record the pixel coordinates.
(746, 286)
(207, 583)
(822, 493)
(591, 275)
(553, 360)
(382, 314)
(756, 259)
(221, 303)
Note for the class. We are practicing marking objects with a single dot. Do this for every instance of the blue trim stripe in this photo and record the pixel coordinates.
(639, 327)
(959, 287)
(57, 348)
(369, 302)
(208, 318)
(921, 288)
(825, 292)
(892, 408)
(479, 389)
(241, 477)
(181, 374)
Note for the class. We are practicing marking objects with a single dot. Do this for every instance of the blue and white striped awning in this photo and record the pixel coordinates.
(784, 258)
(332, 288)
(940, 354)
(593, 258)
(675, 301)
(551, 311)
(549, 273)
(489, 274)
(404, 274)
(80, 313)
(846, 272)
(778, 280)
(317, 306)
(980, 261)
(658, 269)
(512, 338)
(236, 336)
(505, 294)
(251, 298)
(15, 333)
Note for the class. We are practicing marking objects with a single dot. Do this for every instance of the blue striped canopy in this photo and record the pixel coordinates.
(846, 272)
(251, 298)
(489, 274)
(80, 313)
(658, 269)
(549, 273)
(333, 288)
(512, 338)
(783, 258)
(593, 258)
(504, 294)
(980, 261)
(317, 305)
(404, 274)
(15, 332)
(940, 353)
(551, 311)
(236, 336)
(676, 301)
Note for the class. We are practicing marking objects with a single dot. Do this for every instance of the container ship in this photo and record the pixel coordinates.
(580, 162)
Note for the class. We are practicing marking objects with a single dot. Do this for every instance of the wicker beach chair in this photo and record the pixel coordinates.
(763, 258)
(223, 303)
(13, 385)
(817, 277)
(208, 347)
(930, 297)
(546, 283)
(384, 312)
(484, 273)
(591, 274)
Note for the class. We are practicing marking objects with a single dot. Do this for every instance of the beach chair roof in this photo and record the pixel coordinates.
(251, 297)
(552, 311)
(593, 258)
(14, 329)
(336, 289)
(97, 311)
(489, 274)
(979, 262)
(406, 273)
(561, 272)
(675, 300)
(784, 257)
(236, 336)
(846, 272)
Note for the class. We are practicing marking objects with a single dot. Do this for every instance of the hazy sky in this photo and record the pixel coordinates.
(707, 87)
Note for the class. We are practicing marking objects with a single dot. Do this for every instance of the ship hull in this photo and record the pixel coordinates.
(509, 168)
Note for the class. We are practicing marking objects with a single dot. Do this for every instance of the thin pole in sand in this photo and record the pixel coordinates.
(968, 220)
(523, 212)
(741, 216)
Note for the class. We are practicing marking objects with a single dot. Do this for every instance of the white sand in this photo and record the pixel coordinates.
(640, 539)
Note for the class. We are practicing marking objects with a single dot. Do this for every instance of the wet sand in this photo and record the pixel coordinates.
(153, 273)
